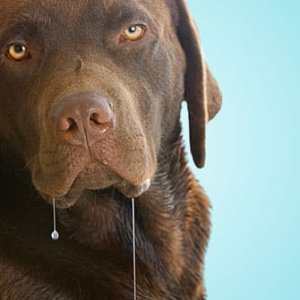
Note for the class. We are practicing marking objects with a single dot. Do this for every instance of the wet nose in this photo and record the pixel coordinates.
(82, 118)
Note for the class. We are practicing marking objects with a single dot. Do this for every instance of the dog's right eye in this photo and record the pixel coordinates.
(17, 52)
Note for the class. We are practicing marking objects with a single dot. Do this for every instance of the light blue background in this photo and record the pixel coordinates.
(252, 170)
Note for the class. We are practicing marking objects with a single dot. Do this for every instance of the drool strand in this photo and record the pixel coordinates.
(54, 234)
(133, 249)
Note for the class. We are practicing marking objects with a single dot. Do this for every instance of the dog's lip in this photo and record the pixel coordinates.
(65, 201)
(68, 200)
(133, 191)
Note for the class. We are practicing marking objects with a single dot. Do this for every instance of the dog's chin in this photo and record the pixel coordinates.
(74, 194)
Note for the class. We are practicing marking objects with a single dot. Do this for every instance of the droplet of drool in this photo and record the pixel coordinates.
(55, 235)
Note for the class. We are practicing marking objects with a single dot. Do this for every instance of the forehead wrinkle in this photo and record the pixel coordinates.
(86, 14)
(69, 9)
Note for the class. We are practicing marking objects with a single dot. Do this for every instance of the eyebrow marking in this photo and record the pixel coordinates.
(36, 17)
(27, 21)
(127, 14)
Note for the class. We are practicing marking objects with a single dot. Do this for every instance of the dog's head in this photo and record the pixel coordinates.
(91, 90)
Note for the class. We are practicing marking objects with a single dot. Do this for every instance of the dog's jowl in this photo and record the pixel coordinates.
(90, 97)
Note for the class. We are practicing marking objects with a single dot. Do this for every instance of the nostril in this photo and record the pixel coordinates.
(95, 118)
(72, 124)
(66, 124)
(101, 117)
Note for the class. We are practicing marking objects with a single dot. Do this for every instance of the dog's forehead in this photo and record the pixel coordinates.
(72, 10)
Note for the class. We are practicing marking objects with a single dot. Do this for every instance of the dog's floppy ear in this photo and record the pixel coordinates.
(202, 93)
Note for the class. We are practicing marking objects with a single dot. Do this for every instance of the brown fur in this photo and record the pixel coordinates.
(74, 49)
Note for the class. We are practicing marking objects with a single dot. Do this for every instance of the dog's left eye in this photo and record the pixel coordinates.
(133, 33)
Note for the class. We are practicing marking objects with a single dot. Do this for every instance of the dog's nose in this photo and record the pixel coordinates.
(83, 117)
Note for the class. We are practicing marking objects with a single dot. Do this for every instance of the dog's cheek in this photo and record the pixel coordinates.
(163, 77)
(17, 115)
(171, 90)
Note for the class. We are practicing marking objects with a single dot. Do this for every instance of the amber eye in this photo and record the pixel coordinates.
(134, 33)
(17, 52)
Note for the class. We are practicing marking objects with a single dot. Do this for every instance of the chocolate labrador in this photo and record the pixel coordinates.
(90, 97)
